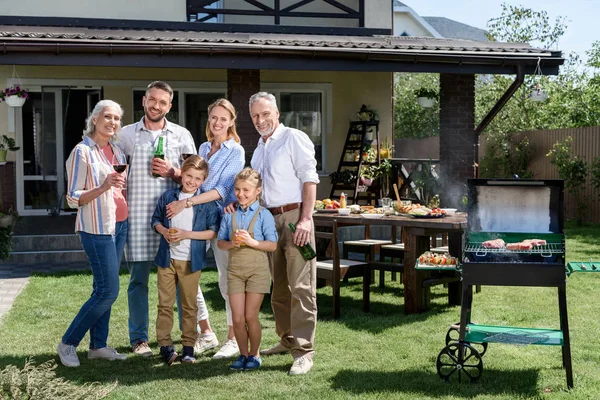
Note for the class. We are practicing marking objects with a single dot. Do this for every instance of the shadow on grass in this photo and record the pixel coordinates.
(521, 383)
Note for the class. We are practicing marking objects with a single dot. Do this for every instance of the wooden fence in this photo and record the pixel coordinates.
(586, 144)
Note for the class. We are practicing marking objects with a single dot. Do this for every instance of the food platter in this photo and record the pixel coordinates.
(327, 211)
(428, 216)
(372, 216)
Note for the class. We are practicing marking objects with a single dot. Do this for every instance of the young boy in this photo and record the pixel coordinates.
(181, 256)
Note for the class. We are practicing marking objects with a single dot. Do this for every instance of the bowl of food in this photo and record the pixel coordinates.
(343, 211)
(449, 211)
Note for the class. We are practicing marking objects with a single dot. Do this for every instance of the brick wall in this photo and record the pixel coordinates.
(241, 84)
(458, 141)
(7, 187)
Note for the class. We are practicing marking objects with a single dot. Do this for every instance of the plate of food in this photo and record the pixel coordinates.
(372, 215)
(424, 212)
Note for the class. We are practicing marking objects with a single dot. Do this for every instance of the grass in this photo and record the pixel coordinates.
(380, 355)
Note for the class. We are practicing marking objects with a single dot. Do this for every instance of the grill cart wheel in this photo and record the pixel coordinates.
(450, 364)
(452, 336)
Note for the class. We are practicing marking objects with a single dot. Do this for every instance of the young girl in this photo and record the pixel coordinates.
(181, 256)
(248, 234)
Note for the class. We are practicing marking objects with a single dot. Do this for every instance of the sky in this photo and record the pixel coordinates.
(581, 16)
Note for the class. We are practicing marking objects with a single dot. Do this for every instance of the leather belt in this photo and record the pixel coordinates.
(284, 208)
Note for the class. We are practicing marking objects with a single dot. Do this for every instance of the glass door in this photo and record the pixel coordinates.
(39, 190)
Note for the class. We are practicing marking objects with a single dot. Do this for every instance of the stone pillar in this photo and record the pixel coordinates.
(7, 187)
(458, 141)
(241, 84)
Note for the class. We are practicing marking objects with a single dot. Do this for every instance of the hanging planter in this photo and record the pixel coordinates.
(426, 97)
(14, 96)
(426, 102)
(537, 94)
(15, 101)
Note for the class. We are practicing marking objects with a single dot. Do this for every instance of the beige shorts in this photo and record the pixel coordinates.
(253, 279)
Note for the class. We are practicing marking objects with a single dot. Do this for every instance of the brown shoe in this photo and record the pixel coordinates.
(277, 349)
(142, 349)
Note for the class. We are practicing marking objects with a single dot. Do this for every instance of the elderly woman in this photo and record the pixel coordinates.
(226, 157)
(95, 190)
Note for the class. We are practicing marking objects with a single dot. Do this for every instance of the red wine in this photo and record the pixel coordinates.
(120, 168)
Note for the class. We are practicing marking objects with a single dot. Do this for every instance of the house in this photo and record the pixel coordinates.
(321, 58)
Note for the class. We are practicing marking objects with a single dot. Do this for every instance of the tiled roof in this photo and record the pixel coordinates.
(451, 29)
(282, 42)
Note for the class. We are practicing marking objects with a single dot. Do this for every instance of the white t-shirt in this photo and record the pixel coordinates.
(182, 250)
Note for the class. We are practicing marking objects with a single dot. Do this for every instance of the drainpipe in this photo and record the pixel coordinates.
(496, 109)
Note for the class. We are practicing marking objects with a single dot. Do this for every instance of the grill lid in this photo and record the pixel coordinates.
(515, 205)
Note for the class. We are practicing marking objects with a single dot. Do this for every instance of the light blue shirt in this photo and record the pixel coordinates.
(264, 227)
(223, 166)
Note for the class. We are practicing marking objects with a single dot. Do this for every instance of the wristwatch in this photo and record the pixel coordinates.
(189, 203)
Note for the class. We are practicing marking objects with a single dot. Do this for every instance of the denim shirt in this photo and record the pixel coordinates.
(264, 228)
(206, 217)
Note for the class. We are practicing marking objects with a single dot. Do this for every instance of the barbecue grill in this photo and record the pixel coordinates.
(514, 211)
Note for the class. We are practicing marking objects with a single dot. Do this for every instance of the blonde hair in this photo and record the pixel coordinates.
(196, 162)
(251, 176)
(231, 131)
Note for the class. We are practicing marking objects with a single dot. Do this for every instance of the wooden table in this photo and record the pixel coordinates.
(416, 234)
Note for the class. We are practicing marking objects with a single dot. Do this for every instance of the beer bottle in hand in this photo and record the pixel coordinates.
(159, 153)
(308, 253)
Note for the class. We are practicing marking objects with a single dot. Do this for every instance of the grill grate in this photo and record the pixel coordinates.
(550, 248)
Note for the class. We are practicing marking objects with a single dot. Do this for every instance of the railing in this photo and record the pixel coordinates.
(207, 11)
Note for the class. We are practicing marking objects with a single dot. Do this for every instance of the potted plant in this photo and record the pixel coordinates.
(345, 176)
(367, 114)
(14, 96)
(426, 97)
(537, 94)
(6, 144)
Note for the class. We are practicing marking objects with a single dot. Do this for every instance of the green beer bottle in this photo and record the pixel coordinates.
(308, 253)
(159, 153)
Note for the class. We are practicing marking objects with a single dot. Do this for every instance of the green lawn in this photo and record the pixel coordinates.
(379, 355)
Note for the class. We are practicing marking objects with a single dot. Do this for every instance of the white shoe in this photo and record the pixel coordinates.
(229, 349)
(68, 355)
(106, 353)
(204, 343)
(301, 366)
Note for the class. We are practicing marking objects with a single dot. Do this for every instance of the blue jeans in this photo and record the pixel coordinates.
(137, 296)
(104, 253)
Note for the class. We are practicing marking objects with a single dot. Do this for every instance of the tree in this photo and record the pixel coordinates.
(410, 119)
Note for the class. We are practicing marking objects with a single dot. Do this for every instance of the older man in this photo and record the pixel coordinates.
(285, 157)
(139, 141)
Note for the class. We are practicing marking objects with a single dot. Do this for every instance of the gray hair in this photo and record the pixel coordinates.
(263, 95)
(90, 128)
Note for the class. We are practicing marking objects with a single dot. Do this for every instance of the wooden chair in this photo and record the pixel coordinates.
(334, 269)
(370, 248)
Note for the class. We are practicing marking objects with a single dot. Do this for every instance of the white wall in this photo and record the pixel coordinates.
(173, 10)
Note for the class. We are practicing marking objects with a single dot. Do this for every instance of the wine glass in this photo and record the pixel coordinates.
(119, 165)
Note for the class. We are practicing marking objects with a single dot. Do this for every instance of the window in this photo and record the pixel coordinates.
(304, 111)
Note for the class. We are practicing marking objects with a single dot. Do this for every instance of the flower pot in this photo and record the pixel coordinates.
(15, 101)
(3, 155)
(426, 102)
(6, 221)
(538, 95)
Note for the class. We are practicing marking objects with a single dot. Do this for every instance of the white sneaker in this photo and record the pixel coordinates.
(106, 353)
(229, 349)
(301, 366)
(204, 343)
(68, 355)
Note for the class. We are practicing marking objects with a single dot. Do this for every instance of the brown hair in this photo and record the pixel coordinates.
(231, 131)
(162, 86)
(196, 162)
(251, 176)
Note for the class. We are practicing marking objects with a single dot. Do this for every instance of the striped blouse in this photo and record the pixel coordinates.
(87, 168)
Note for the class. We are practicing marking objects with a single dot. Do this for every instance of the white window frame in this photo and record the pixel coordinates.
(325, 89)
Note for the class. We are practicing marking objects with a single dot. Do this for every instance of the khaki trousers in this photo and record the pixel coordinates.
(294, 298)
(178, 272)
